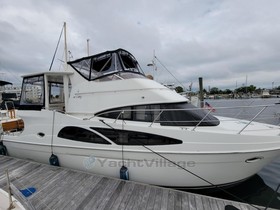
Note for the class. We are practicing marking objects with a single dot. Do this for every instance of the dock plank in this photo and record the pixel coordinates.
(151, 199)
(11, 168)
(124, 196)
(185, 201)
(98, 202)
(108, 195)
(62, 188)
(192, 202)
(139, 199)
(115, 195)
(76, 187)
(137, 194)
(142, 203)
(213, 204)
(198, 201)
(178, 201)
(83, 192)
(171, 200)
(159, 198)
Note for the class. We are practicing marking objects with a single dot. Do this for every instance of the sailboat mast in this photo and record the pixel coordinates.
(65, 48)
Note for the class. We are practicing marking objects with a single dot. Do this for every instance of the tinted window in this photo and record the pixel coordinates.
(128, 62)
(102, 63)
(186, 115)
(133, 138)
(179, 114)
(81, 134)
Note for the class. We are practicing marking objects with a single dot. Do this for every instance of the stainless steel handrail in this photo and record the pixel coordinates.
(202, 120)
(161, 111)
(252, 120)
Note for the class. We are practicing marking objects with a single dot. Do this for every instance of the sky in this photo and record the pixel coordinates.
(226, 42)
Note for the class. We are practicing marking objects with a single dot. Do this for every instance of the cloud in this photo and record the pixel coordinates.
(219, 40)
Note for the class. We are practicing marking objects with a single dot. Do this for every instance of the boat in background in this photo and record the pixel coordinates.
(8, 92)
(265, 94)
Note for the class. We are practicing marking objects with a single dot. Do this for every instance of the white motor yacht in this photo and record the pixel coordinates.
(103, 113)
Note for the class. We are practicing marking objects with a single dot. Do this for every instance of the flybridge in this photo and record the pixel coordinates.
(109, 65)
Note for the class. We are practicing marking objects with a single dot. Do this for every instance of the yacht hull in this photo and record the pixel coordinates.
(201, 161)
(189, 170)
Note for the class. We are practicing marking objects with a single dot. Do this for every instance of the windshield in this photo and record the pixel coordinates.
(107, 63)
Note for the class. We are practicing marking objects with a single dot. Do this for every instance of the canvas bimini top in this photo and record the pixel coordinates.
(116, 64)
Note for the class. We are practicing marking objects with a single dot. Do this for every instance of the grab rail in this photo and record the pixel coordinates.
(157, 113)
(202, 119)
(252, 120)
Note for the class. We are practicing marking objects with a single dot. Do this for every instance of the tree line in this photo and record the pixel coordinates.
(243, 89)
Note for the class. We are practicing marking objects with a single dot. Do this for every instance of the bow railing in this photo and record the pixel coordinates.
(248, 114)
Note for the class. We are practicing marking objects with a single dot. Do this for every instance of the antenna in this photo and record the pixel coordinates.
(65, 47)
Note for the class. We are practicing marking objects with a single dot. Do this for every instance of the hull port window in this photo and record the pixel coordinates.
(133, 138)
(81, 134)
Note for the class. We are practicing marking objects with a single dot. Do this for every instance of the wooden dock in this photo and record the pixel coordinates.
(62, 188)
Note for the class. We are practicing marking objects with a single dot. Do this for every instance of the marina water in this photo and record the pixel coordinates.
(261, 188)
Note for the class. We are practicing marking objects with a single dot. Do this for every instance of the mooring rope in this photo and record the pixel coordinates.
(181, 167)
(38, 197)
(52, 131)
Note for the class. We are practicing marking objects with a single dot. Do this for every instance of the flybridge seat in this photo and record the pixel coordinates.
(109, 65)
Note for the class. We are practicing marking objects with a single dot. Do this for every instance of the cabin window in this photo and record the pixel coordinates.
(177, 114)
(128, 61)
(102, 63)
(56, 93)
(133, 138)
(83, 67)
(81, 134)
(146, 113)
(33, 91)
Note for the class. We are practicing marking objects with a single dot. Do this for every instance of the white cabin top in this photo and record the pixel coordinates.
(96, 84)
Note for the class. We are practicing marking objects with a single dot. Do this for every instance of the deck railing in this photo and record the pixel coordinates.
(249, 114)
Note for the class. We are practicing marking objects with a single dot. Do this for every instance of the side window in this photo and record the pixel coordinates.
(83, 67)
(56, 93)
(144, 113)
(117, 113)
(133, 138)
(33, 91)
(81, 134)
(141, 114)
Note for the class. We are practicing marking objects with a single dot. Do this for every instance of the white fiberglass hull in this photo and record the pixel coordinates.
(146, 167)
(5, 202)
(209, 158)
